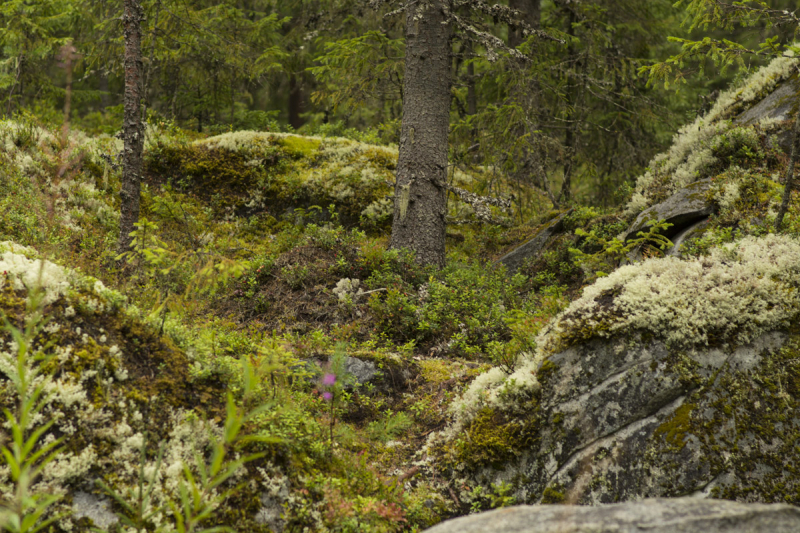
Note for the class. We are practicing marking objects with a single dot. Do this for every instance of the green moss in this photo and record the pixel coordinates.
(258, 173)
(546, 371)
(438, 370)
(553, 496)
(299, 147)
(674, 429)
(493, 439)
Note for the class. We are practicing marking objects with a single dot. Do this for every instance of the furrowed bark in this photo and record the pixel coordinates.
(420, 191)
(132, 127)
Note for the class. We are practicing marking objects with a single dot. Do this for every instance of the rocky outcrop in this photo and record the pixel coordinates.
(781, 105)
(778, 104)
(632, 419)
(96, 509)
(680, 515)
(515, 258)
(685, 235)
(758, 104)
(683, 209)
(666, 378)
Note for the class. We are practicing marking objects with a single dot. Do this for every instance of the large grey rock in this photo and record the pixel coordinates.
(685, 235)
(679, 515)
(781, 104)
(361, 370)
(682, 209)
(515, 258)
(271, 512)
(778, 104)
(629, 418)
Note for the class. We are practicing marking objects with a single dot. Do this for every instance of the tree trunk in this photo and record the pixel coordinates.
(570, 138)
(420, 192)
(295, 102)
(789, 185)
(132, 130)
(531, 15)
(105, 100)
(472, 95)
(527, 96)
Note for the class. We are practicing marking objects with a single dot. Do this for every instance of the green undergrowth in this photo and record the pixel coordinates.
(735, 279)
(234, 264)
(269, 251)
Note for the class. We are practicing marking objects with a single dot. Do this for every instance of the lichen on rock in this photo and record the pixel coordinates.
(111, 386)
(693, 147)
(739, 292)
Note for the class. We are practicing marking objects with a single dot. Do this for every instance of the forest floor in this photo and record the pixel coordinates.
(271, 249)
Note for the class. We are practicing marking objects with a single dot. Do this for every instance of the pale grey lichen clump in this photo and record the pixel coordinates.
(75, 201)
(691, 150)
(740, 291)
(26, 270)
(31, 149)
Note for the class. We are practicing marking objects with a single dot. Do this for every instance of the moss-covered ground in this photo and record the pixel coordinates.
(271, 249)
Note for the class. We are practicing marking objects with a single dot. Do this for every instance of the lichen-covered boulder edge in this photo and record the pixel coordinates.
(112, 385)
(666, 378)
(734, 119)
(684, 515)
(683, 209)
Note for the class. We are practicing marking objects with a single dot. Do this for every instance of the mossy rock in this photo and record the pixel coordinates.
(629, 420)
(682, 209)
(249, 173)
(654, 388)
(113, 385)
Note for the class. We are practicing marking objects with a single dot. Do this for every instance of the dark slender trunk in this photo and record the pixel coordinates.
(17, 81)
(233, 103)
(527, 95)
(175, 77)
(199, 108)
(420, 193)
(149, 72)
(570, 139)
(472, 95)
(569, 157)
(295, 102)
(68, 55)
(787, 191)
(531, 15)
(132, 131)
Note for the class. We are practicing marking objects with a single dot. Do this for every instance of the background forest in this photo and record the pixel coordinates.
(258, 355)
(577, 112)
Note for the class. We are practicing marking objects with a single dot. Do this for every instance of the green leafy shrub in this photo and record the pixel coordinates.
(614, 251)
(463, 306)
(738, 146)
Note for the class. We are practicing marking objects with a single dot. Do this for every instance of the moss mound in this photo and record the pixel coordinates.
(245, 173)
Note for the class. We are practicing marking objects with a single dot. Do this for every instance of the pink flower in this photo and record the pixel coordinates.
(329, 379)
(327, 395)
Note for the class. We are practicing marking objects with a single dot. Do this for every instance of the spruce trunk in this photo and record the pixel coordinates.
(132, 128)
(787, 191)
(420, 193)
